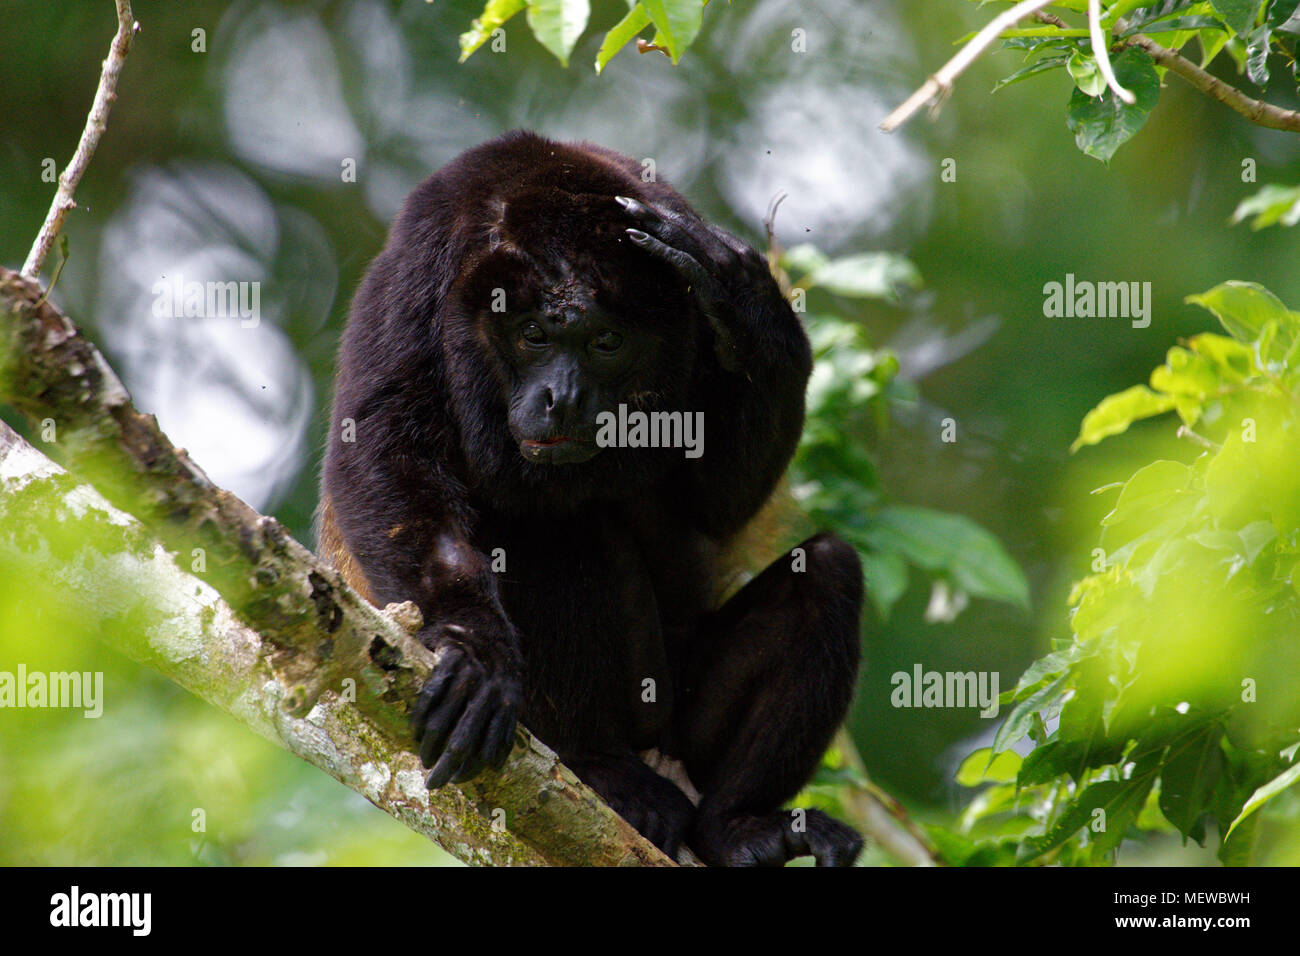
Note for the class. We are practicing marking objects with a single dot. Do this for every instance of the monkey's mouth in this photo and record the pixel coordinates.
(557, 450)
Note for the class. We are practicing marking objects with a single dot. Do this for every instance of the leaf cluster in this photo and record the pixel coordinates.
(1175, 703)
(1255, 34)
(558, 24)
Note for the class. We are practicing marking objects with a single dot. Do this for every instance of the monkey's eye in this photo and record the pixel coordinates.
(607, 342)
(532, 334)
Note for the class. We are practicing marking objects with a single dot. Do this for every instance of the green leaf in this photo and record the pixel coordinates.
(1116, 412)
(1050, 665)
(868, 275)
(1193, 765)
(937, 541)
(1246, 543)
(1285, 17)
(1082, 67)
(1102, 125)
(1186, 373)
(1236, 48)
(953, 848)
(1046, 762)
(1266, 793)
(1238, 14)
(1244, 308)
(1120, 800)
(1151, 488)
(678, 21)
(886, 579)
(804, 258)
(1212, 42)
(1033, 44)
(984, 766)
(1021, 719)
(1271, 205)
(1121, 8)
(495, 13)
(1038, 66)
(1175, 24)
(1255, 537)
(1144, 13)
(622, 33)
(1232, 360)
(1237, 848)
(557, 24)
(1057, 758)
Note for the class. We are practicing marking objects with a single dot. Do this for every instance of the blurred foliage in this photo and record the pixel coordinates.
(836, 480)
(162, 777)
(1270, 206)
(1175, 703)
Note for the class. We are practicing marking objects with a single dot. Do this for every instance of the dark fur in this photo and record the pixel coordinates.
(612, 563)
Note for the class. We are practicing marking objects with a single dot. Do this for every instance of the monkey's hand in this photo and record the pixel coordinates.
(464, 718)
(720, 270)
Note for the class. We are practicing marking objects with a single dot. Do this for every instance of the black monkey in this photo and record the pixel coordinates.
(526, 288)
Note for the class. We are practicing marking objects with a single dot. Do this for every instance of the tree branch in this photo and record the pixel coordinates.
(1257, 111)
(281, 648)
(96, 123)
(112, 572)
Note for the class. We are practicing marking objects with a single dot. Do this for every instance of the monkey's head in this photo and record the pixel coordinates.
(574, 320)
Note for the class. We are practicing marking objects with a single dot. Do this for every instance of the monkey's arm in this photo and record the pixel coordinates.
(754, 396)
(403, 521)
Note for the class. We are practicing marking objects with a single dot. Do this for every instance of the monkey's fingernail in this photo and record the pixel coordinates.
(636, 235)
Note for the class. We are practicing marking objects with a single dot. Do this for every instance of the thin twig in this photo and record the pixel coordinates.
(1198, 439)
(941, 82)
(96, 123)
(1102, 55)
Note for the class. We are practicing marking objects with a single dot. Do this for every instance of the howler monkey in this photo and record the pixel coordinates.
(486, 462)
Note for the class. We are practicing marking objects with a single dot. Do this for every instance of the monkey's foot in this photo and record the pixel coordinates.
(772, 839)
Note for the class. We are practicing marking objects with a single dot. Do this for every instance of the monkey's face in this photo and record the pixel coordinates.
(571, 360)
(576, 322)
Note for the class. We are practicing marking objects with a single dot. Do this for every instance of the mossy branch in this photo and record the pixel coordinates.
(284, 642)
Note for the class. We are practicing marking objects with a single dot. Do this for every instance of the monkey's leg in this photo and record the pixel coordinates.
(768, 684)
